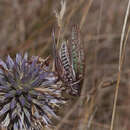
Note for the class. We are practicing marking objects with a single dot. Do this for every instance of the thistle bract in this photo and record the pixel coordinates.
(28, 93)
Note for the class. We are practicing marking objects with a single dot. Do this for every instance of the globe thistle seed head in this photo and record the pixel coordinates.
(28, 93)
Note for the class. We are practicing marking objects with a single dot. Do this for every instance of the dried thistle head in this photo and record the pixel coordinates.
(28, 93)
(69, 61)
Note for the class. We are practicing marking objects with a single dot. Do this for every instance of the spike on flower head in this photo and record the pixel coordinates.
(28, 93)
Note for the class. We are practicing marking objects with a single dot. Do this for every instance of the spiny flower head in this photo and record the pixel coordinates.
(28, 93)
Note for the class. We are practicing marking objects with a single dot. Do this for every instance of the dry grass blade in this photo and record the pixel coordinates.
(121, 58)
(58, 127)
(59, 15)
(85, 10)
(89, 107)
(73, 10)
(123, 44)
(97, 40)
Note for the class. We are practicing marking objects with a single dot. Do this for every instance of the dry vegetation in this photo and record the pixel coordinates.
(26, 25)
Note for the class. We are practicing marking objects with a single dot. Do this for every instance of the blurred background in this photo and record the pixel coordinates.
(26, 25)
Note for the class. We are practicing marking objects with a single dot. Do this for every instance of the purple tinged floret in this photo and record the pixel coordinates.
(28, 94)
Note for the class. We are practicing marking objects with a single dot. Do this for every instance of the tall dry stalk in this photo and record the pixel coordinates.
(121, 59)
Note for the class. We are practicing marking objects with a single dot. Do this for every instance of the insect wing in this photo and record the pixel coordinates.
(65, 59)
(57, 61)
(76, 51)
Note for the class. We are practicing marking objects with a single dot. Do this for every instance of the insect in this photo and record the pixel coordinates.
(69, 61)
